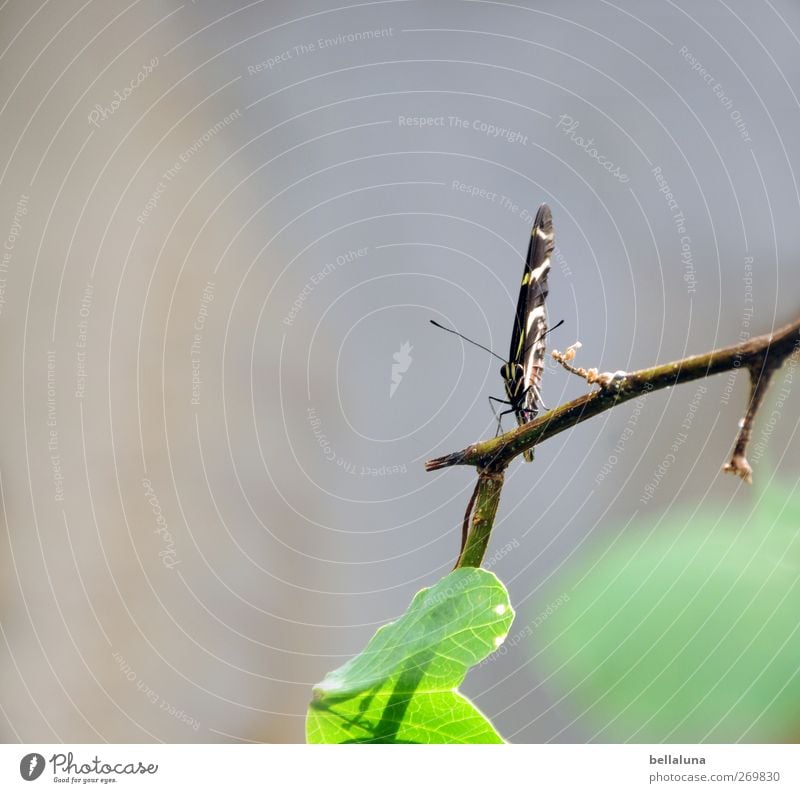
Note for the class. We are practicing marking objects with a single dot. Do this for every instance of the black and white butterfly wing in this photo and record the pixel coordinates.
(523, 373)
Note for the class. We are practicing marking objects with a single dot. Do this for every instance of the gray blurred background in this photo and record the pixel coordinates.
(225, 222)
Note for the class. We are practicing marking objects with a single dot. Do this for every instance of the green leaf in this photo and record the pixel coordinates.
(687, 631)
(402, 687)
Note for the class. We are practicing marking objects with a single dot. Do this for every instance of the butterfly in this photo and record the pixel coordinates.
(522, 372)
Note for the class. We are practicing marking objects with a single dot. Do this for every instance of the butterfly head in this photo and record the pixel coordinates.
(513, 375)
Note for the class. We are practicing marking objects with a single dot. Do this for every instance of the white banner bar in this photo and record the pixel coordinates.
(238, 767)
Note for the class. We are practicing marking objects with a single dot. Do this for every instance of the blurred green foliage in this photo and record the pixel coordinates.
(685, 630)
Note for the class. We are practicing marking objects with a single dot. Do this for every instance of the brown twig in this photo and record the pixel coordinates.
(480, 518)
(762, 356)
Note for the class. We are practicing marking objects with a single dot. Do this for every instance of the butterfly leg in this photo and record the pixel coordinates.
(497, 415)
(500, 419)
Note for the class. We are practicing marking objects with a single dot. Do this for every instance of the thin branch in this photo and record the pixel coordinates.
(761, 372)
(766, 353)
(762, 356)
(485, 499)
(465, 526)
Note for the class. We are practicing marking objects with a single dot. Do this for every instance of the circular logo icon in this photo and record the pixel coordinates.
(31, 766)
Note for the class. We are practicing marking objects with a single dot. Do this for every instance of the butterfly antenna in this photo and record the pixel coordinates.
(557, 325)
(539, 339)
(461, 336)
